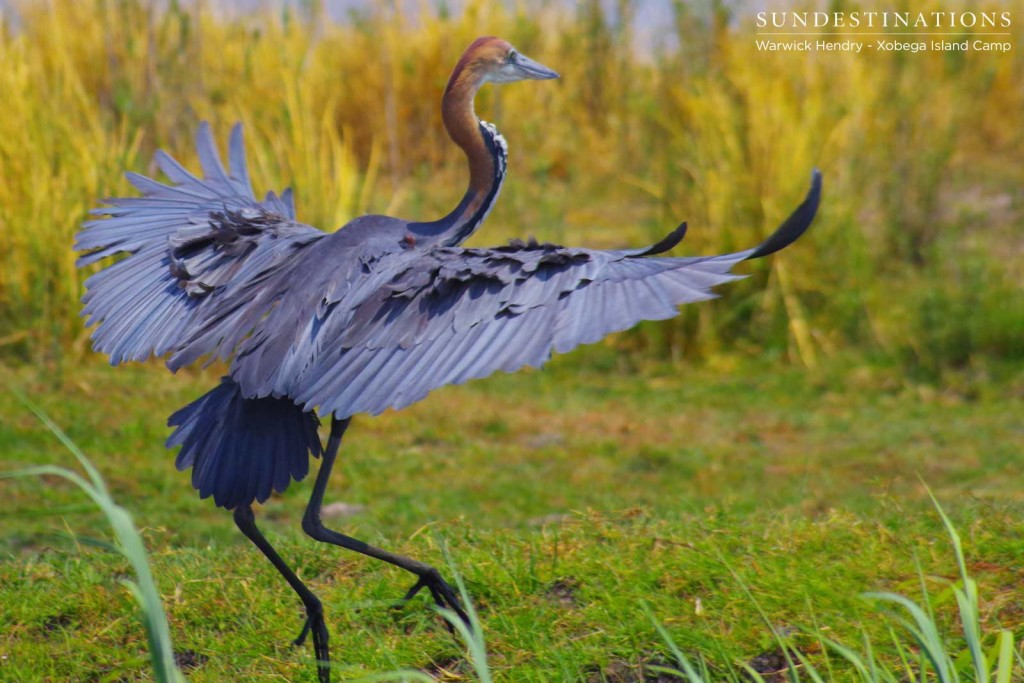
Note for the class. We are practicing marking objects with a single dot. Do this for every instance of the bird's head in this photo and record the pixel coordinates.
(493, 60)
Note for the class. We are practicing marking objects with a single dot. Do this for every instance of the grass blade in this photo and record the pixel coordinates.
(129, 544)
(682, 660)
(94, 475)
(472, 635)
(1004, 662)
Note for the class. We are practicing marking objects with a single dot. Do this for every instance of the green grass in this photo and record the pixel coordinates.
(129, 545)
(567, 499)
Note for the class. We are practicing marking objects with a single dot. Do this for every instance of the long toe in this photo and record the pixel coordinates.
(301, 638)
(413, 592)
(443, 594)
(445, 597)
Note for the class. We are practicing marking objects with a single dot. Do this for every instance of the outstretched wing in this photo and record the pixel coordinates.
(181, 242)
(450, 315)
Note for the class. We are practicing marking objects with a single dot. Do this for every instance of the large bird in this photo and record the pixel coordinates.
(370, 317)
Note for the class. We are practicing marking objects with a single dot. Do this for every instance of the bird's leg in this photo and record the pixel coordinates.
(246, 522)
(428, 577)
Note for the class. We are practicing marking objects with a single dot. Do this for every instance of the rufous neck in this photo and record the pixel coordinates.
(464, 129)
(485, 157)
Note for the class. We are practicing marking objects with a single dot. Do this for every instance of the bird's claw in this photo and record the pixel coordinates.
(301, 638)
(315, 624)
(443, 594)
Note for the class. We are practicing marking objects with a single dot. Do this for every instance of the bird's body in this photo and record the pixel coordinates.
(372, 316)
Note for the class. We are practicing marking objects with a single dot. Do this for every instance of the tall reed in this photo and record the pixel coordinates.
(907, 260)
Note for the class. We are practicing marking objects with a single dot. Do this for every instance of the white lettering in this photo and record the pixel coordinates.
(839, 46)
(900, 46)
(983, 46)
(883, 19)
(783, 46)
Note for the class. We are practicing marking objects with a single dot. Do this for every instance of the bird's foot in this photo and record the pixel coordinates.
(445, 597)
(300, 640)
(316, 625)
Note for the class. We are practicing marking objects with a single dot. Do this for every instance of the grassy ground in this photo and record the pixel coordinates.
(566, 497)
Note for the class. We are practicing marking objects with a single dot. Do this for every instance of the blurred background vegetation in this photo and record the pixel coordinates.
(915, 259)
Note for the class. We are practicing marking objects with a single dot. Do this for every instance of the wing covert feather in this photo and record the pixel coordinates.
(451, 315)
(179, 243)
(448, 315)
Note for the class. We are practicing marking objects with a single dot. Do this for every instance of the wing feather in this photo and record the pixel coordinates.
(179, 243)
(459, 329)
(420, 321)
(356, 325)
(239, 169)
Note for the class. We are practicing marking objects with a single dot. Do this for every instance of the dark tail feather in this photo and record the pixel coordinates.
(796, 224)
(242, 449)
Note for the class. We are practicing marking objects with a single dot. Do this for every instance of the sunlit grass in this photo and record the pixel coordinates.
(918, 650)
(914, 644)
(565, 498)
(129, 544)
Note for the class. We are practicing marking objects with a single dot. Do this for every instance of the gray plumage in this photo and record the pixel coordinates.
(370, 317)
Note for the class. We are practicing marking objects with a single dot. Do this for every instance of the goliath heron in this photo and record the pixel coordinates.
(370, 317)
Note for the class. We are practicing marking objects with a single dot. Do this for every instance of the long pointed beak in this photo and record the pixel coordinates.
(527, 68)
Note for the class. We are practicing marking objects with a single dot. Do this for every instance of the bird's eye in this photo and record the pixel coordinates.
(511, 56)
